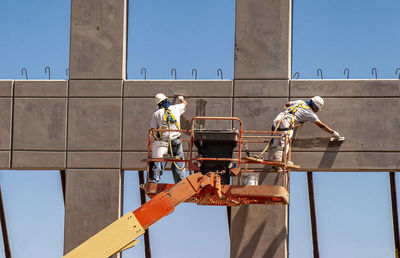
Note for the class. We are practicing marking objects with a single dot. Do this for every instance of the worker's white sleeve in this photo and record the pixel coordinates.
(153, 123)
(181, 107)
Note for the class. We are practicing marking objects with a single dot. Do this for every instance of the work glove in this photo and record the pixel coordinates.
(181, 98)
(336, 135)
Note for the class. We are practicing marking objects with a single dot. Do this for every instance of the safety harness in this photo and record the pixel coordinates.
(167, 120)
(290, 110)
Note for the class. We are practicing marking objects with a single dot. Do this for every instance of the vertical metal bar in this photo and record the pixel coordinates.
(147, 249)
(229, 215)
(312, 214)
(394, 213)
(62, 177)
(7, 249)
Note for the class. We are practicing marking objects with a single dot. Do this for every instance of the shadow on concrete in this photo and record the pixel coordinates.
(240, 216)
(329, 157)
(278, 240)
(249, 250)
(200, 111)
(331, 151)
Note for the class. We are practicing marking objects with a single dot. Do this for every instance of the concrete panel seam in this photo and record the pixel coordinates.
(12, 123)
(122, 123)
(67, 125)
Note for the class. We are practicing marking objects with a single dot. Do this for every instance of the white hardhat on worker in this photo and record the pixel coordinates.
(159, 98)
(318, 101)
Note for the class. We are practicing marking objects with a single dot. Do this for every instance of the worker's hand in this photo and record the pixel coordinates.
(336, 135)
(181, 98)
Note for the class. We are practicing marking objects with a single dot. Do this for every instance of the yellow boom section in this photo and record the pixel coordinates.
(107, 242)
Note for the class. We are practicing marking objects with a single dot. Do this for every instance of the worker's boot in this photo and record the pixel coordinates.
(250, 179)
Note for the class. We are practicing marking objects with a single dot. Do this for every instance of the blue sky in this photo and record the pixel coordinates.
(353, 220)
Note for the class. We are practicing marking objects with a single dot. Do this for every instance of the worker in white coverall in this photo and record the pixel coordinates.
(297, 112)
(167, 116)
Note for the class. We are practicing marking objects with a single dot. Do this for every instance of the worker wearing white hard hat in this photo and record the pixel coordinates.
(167, 116)
(297, 112)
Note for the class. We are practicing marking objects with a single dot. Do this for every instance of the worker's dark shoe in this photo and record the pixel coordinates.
(277, 169)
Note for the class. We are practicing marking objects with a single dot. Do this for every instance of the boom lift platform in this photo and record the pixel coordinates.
(219, 155)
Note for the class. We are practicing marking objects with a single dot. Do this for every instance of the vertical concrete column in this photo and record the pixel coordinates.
(263, 39)
(92, 202)
(97, 57)
(262, 66)
(98, 39)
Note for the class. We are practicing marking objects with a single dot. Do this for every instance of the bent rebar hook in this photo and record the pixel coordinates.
(195, 73)
(141, 72)
(172, 72)
(348, 72)
(45, 70)
(26, 73)
(296, 77)
(376, 73)
(318, 71)
(397, 71)
(218, 71)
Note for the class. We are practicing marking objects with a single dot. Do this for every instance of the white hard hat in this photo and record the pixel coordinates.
(318, 101)
(160, 97)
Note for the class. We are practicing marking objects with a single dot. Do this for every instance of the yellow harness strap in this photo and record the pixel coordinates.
(167, 115)
(294, 109)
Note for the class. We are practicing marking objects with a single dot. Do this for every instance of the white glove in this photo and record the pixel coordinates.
(181, 98)
(336, 135)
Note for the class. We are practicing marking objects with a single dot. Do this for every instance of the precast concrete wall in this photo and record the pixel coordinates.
(96, 124)
(364, 111)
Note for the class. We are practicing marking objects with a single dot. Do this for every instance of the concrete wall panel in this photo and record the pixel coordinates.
(259, 88)
(222, 88)
(345, 88)
(92, 202)
(259, 230)
(94, 124)
(347, 161)
(5, 125)
(5, 159)
(94, 159)
(49, 88)
(6, 88)
(263, 39)
(134, 160)
(98, 39)
(369, 124)
(38, 160)
(138, 112)
(95, 88)
(39, 124)
(258, 113)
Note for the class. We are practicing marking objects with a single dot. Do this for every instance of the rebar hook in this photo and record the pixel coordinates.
(141, 72)
(376, 73)
(397, 71)
(45, 70)
(172, 72)
(220, 70)
(348, 72)
(67, 72)
(195, 73)
(318, 71)
(26, 73)
(296, 77)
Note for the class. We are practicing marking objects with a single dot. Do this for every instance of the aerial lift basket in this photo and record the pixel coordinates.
(220, 152)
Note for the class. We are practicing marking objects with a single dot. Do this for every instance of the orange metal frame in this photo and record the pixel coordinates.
(229, 195)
